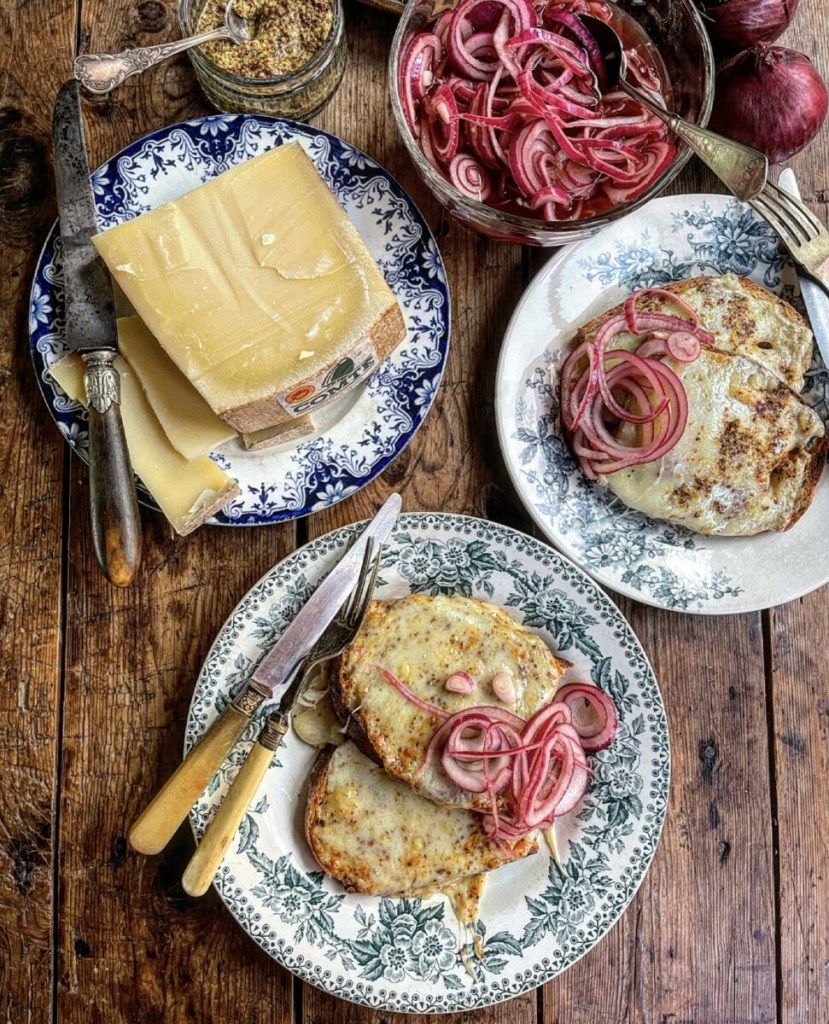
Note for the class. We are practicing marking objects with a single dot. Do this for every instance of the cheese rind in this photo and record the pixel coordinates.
(191, 426)
(188, 492)
(260, 289)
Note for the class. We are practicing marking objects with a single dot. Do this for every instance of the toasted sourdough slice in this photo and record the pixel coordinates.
(422, 641)
(377, 835)
(752, 452)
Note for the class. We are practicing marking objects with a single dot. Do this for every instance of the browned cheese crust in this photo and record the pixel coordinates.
(750, 460)
(422, 641)
(376, 835)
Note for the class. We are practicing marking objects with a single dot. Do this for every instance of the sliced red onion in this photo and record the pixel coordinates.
(593, 714)
(602, 386)
(511, 73)
(470, 178)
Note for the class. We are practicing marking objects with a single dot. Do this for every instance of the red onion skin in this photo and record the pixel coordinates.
(737, 24)
(771, 98)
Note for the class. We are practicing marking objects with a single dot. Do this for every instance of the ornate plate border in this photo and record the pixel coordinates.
(655, 562)
(360, 435)
(397, 955)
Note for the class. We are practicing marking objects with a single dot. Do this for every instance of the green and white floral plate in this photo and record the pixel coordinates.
(537, 918)
(655, 562)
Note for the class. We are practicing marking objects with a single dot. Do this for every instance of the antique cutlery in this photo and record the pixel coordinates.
(220, 832)
(91, 331)
(160, 819)
(742, 169)
(102, 72)
(808, 241)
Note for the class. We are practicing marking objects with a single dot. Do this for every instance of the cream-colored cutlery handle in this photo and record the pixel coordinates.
(157, 824)
(219, 835)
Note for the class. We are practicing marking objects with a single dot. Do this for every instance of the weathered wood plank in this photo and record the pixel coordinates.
(32, 462)
(801, 754)
(799, 663)
(132, 946)
(698, 943)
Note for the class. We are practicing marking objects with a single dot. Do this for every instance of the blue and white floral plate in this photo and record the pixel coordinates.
(537, 918)
(357, 437)
(655, 562)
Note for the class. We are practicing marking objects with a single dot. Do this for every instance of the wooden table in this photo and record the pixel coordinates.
(732, 922)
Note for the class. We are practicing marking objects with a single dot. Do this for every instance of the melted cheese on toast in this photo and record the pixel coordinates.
(422, 641)
(377, 835)
(752, 451)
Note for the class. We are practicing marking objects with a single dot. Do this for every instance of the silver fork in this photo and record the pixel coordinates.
(802, 233)
(342, 630)
(340, 633)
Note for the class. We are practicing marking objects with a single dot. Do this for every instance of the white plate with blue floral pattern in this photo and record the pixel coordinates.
(537, 918)
(356, 437)
(655, 562)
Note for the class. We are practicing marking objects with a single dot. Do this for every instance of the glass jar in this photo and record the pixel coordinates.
(298, 95)
(676, 29)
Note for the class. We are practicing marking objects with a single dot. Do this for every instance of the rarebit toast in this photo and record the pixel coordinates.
(422, 641)
(376, 835)
(752, 451)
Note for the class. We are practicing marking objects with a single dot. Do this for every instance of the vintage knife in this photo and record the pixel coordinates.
(160, 819)
(91, 331)
(815, 298)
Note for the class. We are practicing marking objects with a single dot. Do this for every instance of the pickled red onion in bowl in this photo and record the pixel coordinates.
(502, 107)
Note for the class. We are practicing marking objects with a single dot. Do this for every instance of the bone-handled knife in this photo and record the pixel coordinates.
(91, 331)
(815, 298)
(160, 819)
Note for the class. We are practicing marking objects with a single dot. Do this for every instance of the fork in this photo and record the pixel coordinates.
(342, 631)
(802, 233)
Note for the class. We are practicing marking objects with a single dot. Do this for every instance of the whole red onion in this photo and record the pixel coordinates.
(771, 98)
(742, 23)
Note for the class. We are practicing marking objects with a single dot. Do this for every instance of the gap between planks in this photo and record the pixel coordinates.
(768, 665)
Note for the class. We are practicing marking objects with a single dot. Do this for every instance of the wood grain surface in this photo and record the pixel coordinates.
(732, 923)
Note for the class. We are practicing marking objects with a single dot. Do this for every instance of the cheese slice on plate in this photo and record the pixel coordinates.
(188, 492)
(259, 288)
(188, 421)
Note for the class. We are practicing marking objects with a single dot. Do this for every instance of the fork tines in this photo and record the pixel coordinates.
(790, 218)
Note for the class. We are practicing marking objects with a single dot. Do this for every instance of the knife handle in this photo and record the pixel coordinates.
(116, 525)
(157, 825)
(220, 832)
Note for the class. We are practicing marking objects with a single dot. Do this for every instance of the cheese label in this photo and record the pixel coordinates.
(333, 381)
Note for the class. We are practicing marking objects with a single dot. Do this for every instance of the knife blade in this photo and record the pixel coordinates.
(319, 610)
(815, 298)
(92, 332)
(158, 822)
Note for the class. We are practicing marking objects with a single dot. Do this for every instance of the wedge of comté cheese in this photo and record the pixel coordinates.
(259, 288)
(187, 491)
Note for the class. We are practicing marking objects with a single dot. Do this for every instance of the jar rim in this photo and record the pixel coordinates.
(289, 79)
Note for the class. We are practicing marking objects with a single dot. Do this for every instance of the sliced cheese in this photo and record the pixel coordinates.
(260, 289)
(187, 492)
(191, 426)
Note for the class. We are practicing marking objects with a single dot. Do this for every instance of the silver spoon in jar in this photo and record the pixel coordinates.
(742, 169)
(102, 72)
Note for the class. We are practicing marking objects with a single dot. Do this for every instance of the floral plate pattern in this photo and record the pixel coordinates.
(537, 918)
(655, 562)
(356, 437)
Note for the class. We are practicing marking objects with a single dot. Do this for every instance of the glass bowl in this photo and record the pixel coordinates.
(676, 29)
(298, 95)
